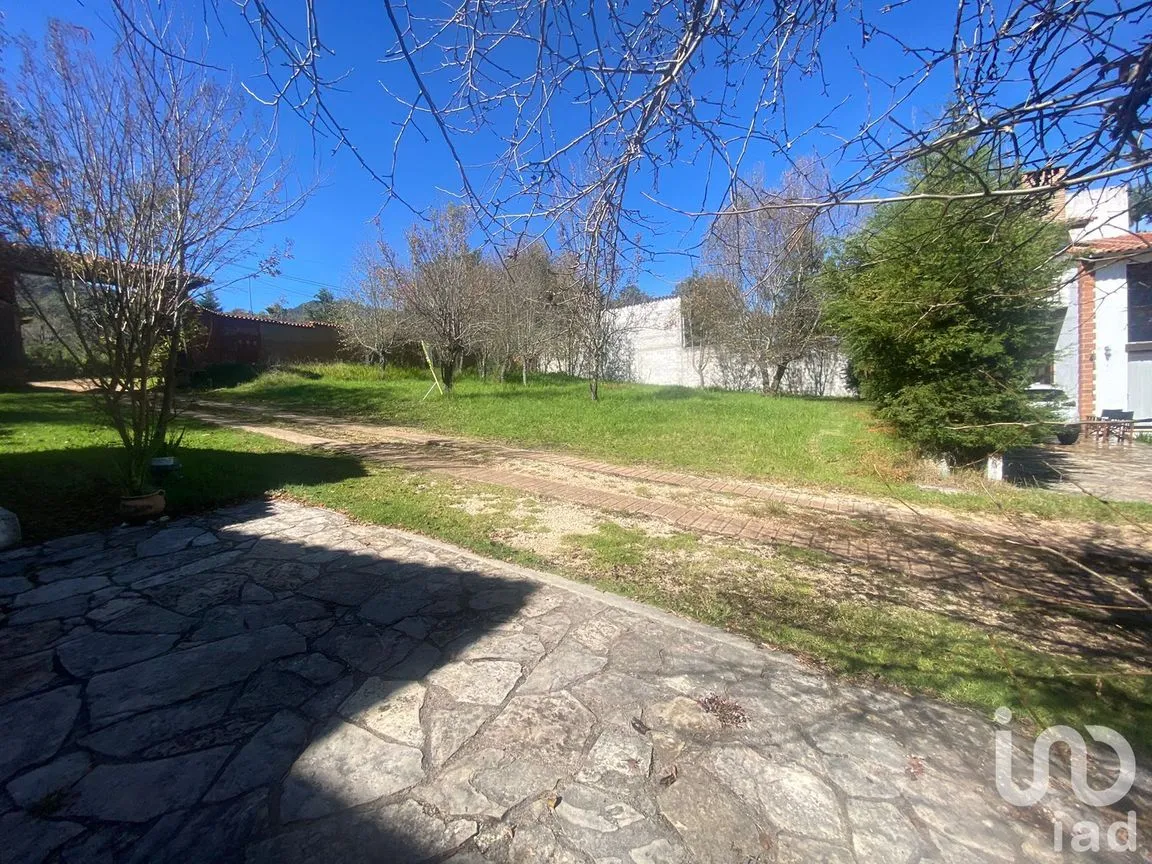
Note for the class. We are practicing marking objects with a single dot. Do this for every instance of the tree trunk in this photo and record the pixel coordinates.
(781, 368)
(524, 371)
(451, 366)
(169, 395)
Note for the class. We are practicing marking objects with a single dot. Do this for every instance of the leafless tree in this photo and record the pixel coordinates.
(523, 313)
(597, 274)
(704, 312)
(502, 305)
(441, 292)
(592, 103)
(140, 177)
(369, 314)
(565, 353)
(766, 261)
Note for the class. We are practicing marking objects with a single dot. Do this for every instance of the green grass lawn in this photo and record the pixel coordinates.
(57, 473)
(813, 441)
(826, 443)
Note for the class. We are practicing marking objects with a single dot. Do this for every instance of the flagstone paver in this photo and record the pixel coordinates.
(274, 683)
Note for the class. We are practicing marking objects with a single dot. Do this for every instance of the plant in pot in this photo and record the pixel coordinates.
(143, 502)
(141, 412)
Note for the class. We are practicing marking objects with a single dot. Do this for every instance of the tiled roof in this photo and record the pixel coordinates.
(37, 261)
(236, 316)
(1132, 243)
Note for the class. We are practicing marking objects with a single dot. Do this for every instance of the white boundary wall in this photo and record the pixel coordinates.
(651, 350)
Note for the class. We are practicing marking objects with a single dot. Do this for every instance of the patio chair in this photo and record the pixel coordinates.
(1119, 424)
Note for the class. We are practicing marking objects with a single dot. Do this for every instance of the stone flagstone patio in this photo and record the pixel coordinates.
(275, 683)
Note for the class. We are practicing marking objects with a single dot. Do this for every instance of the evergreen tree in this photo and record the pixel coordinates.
(323, 308)
(208, 300)
(946, 308)
(631, 295)
(1140, 205)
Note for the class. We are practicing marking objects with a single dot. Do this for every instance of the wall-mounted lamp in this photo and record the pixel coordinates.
(1107, 352)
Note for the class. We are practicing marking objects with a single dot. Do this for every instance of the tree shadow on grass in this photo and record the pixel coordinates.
(676, 392)
(40, 405)
(384, 401)
(1034, 585)
(72, 490)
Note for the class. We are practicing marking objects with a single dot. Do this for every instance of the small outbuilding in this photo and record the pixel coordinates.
(259, 341)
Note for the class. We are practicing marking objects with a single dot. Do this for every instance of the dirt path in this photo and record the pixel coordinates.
(1071, 588)
(1084, 563)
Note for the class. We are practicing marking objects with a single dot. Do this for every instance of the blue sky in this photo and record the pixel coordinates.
(338, 218)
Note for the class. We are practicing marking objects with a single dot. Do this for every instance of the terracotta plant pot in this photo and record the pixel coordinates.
(141, 507)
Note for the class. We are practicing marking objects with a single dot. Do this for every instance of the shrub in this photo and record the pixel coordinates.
(946, 308)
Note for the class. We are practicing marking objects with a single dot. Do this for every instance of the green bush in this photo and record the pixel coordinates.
(946, 308)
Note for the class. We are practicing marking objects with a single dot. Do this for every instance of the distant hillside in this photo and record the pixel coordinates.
(323, 308)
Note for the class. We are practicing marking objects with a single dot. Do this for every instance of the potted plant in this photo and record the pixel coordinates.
(144, 178)
(149, 451)
(141, 498)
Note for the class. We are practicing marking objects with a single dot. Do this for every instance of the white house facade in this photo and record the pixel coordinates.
(1104, 350)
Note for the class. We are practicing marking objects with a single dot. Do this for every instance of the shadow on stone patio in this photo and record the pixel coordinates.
(33, 485)
(257, 682)
(1110, 471)
(276, 683)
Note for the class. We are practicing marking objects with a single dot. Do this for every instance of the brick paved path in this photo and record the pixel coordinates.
(1072, 563)
(274, 683)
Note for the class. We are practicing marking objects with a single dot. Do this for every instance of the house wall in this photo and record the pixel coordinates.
(1105, 209)
(285, 343)
(1111, 336)
(1066, 361)
(224, 339)
(1090, 364)
(1139, 367)
(236, 339)
(651, 339)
